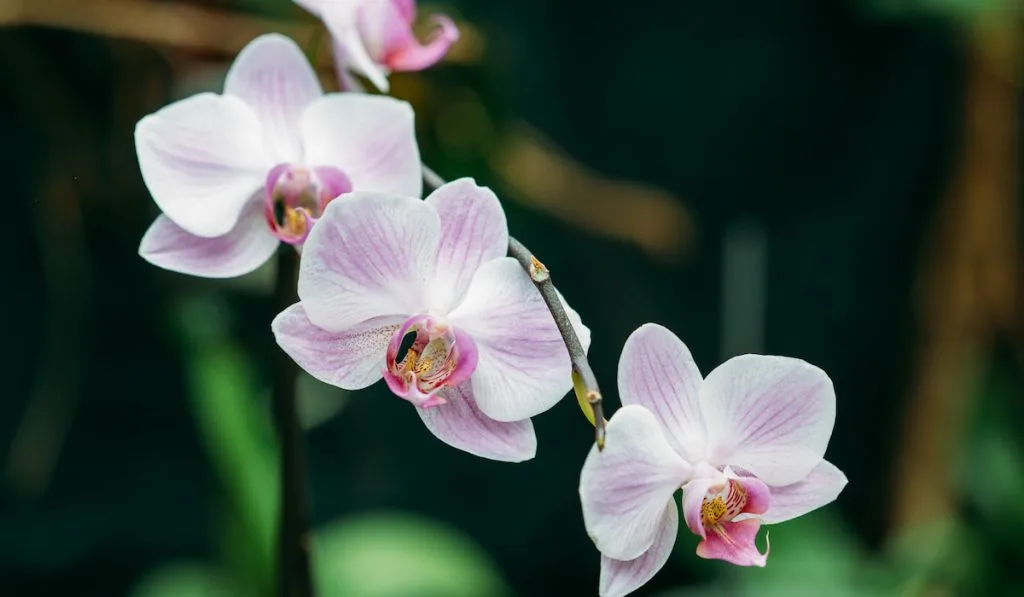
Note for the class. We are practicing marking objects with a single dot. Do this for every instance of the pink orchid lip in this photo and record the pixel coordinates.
(411, 55)
(295, 197)
(426, 354)
(728, 518)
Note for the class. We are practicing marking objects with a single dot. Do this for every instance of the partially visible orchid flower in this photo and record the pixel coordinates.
(746, 446)
(420, 292)
(375, 37)
(237, 173)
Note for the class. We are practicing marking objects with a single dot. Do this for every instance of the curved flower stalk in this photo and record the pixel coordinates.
(375, 37)
(745, 445)
(420, 293)
(236, 174)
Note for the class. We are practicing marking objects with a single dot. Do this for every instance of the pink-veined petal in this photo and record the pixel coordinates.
(273, 77)
(734, 543)
(460, 424)
(619, 578)
(368, 256)
(368, 137)
(352, 359)
(822, 486)
(473, 231)
(202, 159)
(246, 247)
(523, 366)
(758, 496)
(657, 371)
(771, 416)
(624, 488)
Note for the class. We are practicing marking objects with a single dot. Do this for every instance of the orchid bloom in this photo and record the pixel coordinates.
(420, 292)
(746, 446)
(238, 173)
(375, 37)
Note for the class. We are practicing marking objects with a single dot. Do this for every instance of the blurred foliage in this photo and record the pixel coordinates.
(383, 554)
(954, 9)
(393, 554)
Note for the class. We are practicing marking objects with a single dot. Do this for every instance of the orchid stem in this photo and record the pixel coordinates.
(293, 571)
(541, 278)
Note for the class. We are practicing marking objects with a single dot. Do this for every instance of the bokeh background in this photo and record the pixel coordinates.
(833, 180)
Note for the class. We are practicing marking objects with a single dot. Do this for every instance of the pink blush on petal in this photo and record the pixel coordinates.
(733, 542)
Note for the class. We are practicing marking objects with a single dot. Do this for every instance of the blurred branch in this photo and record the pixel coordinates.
(182, 25)
(971, 282)
(541, 278)
(544, 176)
(293, 572)
(176, 24)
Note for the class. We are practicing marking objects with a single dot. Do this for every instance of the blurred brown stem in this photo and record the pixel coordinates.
(293, 570)
(971, 279)
(541, 278)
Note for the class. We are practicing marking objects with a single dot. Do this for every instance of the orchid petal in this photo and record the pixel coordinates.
(734, 543)
(246, 247)
(693, 499)
(657, 371)
(619, 578)
(202, 159)
(407, 9)
(273, 77)
(771, 416)
(403, 52)
(370, 138)
(473, 231)
(624, 488)
(459, 423)
(368, 256)
(342, 20)
(758, 496)
(523, 366)
(352, 359)
(820, 487)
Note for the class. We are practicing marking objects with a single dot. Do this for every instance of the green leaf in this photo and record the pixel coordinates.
(389, 554)
(236, 431)
(183, 578)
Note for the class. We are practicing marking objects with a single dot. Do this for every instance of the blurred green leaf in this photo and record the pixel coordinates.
(390, 554)
(184, 579)
(236, 431)
(810, 556)
(956, 9)
(318, 402)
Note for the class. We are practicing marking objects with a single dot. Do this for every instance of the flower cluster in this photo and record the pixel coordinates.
(419, 292)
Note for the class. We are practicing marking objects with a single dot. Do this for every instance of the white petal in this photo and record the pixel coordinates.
(620, 578)
(624, 488)
(352, 359)
(274, 78)
(369, 256)
(460, 424)
(369, 137)
(819, 488)
(771, 416)
(202, 159)
(473, 231)
(246, 247)
(657, 371)
(523, 366)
